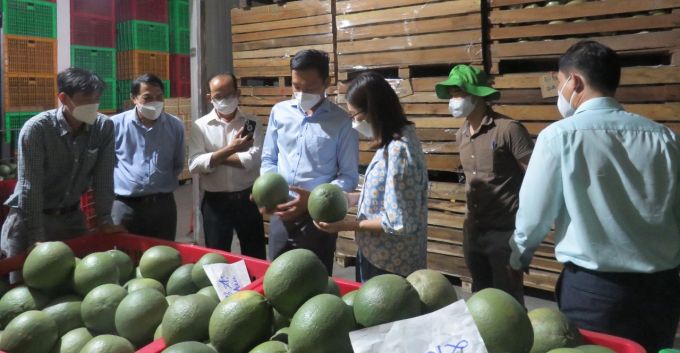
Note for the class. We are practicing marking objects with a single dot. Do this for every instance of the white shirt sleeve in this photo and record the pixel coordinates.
(252, 158)
(199, 158)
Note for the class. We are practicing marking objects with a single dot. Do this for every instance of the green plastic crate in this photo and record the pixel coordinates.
(180, 41)
(109, 98)
(123, 92)
(142, 35)
(178, 14)
(100, 60)
(16, 121)
(30, 18)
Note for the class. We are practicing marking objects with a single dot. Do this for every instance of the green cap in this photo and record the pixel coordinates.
(470, 79)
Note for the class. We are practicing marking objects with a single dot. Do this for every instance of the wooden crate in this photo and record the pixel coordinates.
(266, 38)
(404, 33)
(520, 32)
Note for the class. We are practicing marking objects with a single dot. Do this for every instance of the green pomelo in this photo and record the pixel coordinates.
(49, 265)
(198, 274)
(19, 300)
(30, 332)
(210, 292)
(171, 299)
(349, 298)
(5, 170)
(139, 315)
(160, 262)
(280, 321)
(270, 190)
(281, 335)
(241, 322)
(180, 282)
(293, 278)
(385, 298)
(73, 341)
(327, 203)
(552, 330)
(108, 344)
(502, 321)
(99, 307)
(125, 266)
(271, 347)
(333, 288)
(93, 271)
(594, 349)
(434, 290)
(322, 325)
(188, 319)
(189, 347)
(65, 312)
(141, 283)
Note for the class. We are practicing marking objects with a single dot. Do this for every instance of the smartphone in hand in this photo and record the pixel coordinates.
(249, 128)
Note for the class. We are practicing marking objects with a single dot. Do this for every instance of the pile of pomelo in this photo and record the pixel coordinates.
(103, 304)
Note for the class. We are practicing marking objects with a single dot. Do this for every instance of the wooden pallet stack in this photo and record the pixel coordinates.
(527, 37)
(181, 108)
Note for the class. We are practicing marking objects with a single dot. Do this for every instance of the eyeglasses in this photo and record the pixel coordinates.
(353, 116)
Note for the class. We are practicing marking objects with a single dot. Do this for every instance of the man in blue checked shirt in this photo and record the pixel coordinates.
(62, 153)
(309, 141)
(150, 150)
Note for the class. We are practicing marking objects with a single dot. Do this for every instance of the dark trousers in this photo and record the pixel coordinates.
(224, 212)
(644, 308)
(154, 217)
(301, 234)
(365, 270)
(487, 256)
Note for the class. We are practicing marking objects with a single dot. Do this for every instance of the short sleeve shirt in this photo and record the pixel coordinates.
(493, 174)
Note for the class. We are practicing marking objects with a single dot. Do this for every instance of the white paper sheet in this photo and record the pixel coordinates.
(227, 278)
(448, 330)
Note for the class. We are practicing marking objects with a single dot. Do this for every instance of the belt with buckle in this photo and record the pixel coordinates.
(141, 199)
(61, 210)
(236, 195)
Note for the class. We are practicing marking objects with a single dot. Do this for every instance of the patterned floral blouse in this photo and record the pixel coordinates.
(395, 190)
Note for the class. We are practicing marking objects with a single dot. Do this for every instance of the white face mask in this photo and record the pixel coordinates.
(86, 113)
(307, 101)
(151, 110)
(363, 127)
(226, 106)
(461, 108)
(565, 108)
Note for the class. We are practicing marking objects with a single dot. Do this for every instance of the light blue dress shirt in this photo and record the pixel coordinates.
(148, 161)
(312, 150)
(609, 181)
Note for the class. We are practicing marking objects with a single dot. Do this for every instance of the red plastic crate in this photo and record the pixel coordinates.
(93, 31)
(180, 67)
(180, 89)
(105, 8)
(619, 345)
(144, 10)
(87, 205)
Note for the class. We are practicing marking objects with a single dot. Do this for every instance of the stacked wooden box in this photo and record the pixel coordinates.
(181, 108)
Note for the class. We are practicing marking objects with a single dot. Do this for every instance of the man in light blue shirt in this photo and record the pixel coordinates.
(150, 154)
(609, 180)
(309, 141)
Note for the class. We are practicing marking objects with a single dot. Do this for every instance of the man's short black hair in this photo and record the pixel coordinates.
(233, 79)
(149, 79)
(311, 59)
(74, 80)
(598, 63)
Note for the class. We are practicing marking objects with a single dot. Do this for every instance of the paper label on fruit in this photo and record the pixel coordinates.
(227, 278)
(448, 330)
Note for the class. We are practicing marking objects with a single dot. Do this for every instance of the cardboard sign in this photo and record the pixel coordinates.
(549, 85)
(227, 278)
(447, 330)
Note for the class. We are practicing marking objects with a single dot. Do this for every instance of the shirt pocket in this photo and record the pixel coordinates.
(321, 149)
(164, 155)
(90, 159)
(485, 159)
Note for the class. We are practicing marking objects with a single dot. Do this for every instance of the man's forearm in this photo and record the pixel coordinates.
(233, 161)
(221, 156)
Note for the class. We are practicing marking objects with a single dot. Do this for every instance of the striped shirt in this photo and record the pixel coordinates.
(56, 168)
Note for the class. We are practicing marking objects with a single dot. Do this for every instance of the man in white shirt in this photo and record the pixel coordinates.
(228, 165)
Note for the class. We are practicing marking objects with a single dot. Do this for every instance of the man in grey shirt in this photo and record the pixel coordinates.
(62, 153)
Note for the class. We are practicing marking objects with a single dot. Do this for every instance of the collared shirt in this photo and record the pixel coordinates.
(149, 160)
(210, 134)
(57, 167)
(395, 190)
(493, 174)
(610, 181)
(312, 150)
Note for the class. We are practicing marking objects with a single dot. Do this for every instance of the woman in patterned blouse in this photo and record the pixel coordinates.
(391, 224)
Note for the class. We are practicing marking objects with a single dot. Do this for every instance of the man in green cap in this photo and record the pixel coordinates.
(494, 153)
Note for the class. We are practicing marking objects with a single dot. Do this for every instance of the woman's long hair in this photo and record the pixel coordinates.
(371, 95)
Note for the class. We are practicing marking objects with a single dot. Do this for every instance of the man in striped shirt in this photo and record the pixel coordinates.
(62, 154)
